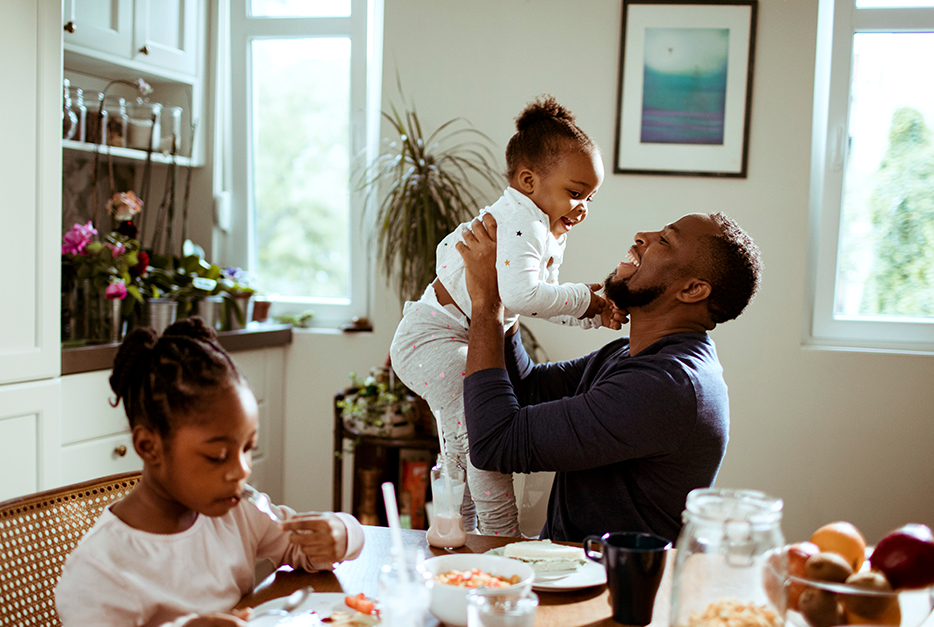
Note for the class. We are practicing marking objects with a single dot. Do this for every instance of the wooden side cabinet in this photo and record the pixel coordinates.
(375, 461)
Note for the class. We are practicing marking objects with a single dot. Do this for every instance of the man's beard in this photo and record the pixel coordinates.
(618, 291)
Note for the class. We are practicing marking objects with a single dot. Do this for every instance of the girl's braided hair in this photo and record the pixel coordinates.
(162, 379)
(545, 131)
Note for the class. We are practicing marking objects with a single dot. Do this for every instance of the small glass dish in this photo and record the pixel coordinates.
(824, 603)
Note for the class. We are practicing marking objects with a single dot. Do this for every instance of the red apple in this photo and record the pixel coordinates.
(906, 556)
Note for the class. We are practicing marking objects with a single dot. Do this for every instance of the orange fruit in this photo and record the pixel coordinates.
(842, 538)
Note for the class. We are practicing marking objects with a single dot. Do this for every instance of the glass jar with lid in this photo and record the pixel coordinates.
(143, 125)
(730, 563)
(69, 120)
(171, 130)
(116, 123)
(96, 118)
(80, 111)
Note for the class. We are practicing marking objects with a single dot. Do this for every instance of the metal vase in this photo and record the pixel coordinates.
(159, 313)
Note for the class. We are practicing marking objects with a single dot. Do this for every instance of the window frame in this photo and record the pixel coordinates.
(364, 28)
(838, 22)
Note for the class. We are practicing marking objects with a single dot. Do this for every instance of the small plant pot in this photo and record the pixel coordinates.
(238, 312)
(159, 313)
(395, 425)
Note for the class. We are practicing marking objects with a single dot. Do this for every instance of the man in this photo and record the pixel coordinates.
(633, 427)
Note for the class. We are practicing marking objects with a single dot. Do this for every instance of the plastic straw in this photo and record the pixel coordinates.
(395, 528)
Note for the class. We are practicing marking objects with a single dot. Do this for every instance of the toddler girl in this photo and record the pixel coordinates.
(554, 169)
(180, 549)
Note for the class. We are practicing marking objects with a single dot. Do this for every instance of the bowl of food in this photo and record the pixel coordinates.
(455, 575)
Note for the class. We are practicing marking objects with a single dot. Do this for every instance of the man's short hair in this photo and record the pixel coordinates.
(734, 267)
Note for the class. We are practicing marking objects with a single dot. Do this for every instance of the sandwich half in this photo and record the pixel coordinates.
(545, 556)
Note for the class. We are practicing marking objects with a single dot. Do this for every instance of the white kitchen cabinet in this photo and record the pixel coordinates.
(95, 436)
(156, 35)
(30, 177)
(102, 25)
(29, 422)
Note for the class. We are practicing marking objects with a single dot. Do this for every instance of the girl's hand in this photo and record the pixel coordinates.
(322, 537)
(597, 303)
(237, 618)
(612, 317)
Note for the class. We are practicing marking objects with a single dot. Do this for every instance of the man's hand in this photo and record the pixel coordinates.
(323, 538)
(479, 252)
(485, 345)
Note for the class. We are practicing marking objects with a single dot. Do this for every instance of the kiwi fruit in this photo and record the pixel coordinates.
(827, 566)
(868, 606)
(820, 607)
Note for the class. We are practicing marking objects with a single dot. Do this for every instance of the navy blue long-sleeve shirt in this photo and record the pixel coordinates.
(628, 437)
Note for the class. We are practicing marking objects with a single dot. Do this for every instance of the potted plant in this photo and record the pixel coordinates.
(237, 284)
(425, 187)
(378, 405)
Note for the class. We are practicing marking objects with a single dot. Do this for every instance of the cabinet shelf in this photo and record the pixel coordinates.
(122, 155)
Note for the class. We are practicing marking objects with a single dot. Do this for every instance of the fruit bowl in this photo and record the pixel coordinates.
(824, 604)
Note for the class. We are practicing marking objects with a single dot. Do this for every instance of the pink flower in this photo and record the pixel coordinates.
(116, 290)
(116, 249)
(77, 238)
(124, 205)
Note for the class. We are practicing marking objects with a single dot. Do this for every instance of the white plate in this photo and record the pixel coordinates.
(316, 606)
(590, 574)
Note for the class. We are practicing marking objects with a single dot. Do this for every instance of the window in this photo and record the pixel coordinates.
(872, 187)
(304, 110)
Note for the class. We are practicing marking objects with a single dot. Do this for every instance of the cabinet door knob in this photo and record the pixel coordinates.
(70, 27)
(144, 49)
(120, 451)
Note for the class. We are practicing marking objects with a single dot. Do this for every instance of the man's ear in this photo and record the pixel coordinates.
(148, 444)
(527, 180)
(694, 291)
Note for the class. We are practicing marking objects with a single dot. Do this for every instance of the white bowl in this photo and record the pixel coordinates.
(449, 603)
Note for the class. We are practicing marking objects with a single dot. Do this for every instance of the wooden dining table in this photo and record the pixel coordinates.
(585, 607)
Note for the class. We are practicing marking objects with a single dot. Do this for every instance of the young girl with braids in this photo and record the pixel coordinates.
(553, 169)
(180, 549)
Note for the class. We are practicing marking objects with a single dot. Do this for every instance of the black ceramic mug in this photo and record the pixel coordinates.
(634, 563)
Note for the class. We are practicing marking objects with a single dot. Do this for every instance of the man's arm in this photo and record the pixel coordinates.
(485, 345)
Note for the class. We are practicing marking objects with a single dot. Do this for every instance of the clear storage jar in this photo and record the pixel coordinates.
(80, 111)
(116, 122)
(729, 568)
(96, 120)
(144, 125)
(171, 130)
(69, 120)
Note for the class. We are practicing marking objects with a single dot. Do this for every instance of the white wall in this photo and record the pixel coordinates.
(837, 435)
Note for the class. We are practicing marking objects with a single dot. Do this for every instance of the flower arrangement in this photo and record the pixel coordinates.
(112, 266)
(237, 281)
(380, 405)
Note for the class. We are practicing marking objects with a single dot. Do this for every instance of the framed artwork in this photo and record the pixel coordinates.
(685, 86)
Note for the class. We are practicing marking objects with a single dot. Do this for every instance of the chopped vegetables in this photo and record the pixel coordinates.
(475, 578)
(360, 603)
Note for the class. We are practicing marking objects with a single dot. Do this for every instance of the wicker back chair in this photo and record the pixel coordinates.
(37, 532)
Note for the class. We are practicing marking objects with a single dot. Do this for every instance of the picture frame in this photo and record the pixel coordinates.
(685, 87)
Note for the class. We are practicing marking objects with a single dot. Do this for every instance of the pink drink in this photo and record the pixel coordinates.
(447, 531)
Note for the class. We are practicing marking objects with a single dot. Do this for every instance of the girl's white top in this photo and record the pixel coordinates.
(121, 576)
(527, 260)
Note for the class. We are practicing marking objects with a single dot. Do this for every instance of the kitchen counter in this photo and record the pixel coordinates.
(101, 356)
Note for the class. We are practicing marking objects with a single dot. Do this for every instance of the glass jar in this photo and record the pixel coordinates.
(729, 559)
(69, 119)
(171, 130)
(448, 480)
(143, 130)
(116, 122)
(96, 118)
